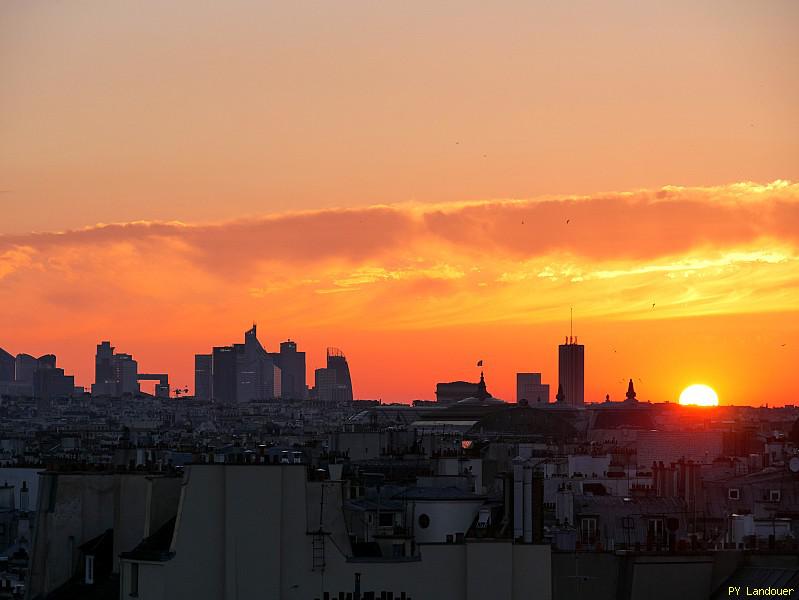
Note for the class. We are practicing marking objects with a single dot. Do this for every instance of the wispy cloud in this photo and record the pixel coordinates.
(653, 254)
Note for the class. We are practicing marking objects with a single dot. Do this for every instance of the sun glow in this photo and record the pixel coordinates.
(699, 395)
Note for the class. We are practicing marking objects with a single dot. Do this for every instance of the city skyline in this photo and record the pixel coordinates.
(709, 273)
(421, 187)
(422, 300)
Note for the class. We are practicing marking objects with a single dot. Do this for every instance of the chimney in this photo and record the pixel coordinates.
(24, 500)
(538, 509)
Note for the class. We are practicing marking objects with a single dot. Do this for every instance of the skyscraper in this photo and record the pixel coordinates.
(24, 368)
(241, 372)
(115, 374)
(6, 366)
(257, 377)
(530, 388)
(571, 371)
(223, 379)
(104, 364)
(203, 376)
(292, 368)
(126, 371)
(337, 362)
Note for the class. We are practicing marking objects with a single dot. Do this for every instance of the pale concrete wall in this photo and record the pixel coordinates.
(489, 571)
(245, 532)
(142, 504)
(666, 578)
(532, 572)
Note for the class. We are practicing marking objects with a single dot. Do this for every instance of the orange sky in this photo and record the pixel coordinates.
(417, 293)
(335, 171)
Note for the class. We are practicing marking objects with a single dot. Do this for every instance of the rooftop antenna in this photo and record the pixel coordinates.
(571, 323)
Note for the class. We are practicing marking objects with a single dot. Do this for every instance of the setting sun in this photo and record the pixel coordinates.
(699, 395)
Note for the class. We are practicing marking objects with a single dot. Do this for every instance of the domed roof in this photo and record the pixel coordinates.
(522, 420)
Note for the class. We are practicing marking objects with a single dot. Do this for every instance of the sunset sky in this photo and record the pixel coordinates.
(420, 184)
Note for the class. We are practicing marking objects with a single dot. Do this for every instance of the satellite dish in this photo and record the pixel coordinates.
(793, 464)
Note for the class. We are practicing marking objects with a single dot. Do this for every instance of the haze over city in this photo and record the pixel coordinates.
(434, 300)
(421, 185)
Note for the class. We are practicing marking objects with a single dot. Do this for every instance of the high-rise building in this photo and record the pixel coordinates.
(6, 366)
(241, 372)
(203, 376)
(571, 371)
(530, 389)
(338, 363)
(325, 385)
(117, 374)
(24, 368)
(36, 377)
(126, 372)
(223, 387)
(292, 369)
(50, 382)
(104, 364)
(255, 370)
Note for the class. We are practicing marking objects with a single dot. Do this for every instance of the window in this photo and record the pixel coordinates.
(89, 575)
(424, 521)
(774, 495)
(655, 529)
(734, 494)
(134, 579)
(588, 530)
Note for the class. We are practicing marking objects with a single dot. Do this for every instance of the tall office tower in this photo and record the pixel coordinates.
(255, 370)
(571, 371)
(6, 366)
(325, 385)
(104, 364)
(203, 376)
(223, 379)
(292, 369)
(50, 382)
(126, 371)
(24, 368)
(338, 363)
(530, 389)
(46, 361)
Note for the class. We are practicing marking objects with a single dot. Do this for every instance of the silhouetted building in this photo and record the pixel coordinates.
(530, 388)
(203, 376)
(104, 364)
(162, 383)
(630, 393)
(24, 368)
(50, 382)
(244, 372)
(46, 361)
(258, 377)
(125, 372)
(224, 374)
(325, 385)
(338, 363)
(292, 370)
(455, 391)
(117, 374)
(571, 371)
(6, 366)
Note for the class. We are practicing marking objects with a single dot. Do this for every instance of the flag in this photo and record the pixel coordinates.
(479, 363)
